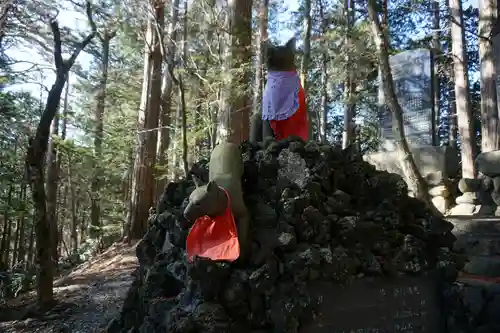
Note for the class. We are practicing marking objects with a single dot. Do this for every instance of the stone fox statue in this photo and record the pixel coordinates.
(223, 195)
(284, 101)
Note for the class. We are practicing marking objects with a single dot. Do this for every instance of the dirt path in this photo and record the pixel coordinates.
(88, 297)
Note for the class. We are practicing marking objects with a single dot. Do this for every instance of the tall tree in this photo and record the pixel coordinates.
(52, 186)
(35, 158)
(260, 51)
(166, 94)
(488, 72)
(407, 162)
(235, 113)
(142, 197)
(95, 221)
(462, 90)
(306, 56)
(436, 89)
(349, 85)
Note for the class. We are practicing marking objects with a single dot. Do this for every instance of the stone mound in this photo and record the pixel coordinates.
(319, 213)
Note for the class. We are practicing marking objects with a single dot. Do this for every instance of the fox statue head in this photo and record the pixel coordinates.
(281, 58)
(207, 199)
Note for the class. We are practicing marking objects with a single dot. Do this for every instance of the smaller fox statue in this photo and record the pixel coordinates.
(221, 228)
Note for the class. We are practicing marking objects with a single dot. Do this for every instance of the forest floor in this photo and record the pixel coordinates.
(87, 298)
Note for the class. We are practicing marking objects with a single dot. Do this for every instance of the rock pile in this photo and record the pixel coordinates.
(319, 213)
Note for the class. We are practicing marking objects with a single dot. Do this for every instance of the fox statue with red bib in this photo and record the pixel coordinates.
(284, 111)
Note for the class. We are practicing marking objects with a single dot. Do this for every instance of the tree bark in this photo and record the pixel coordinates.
(349, 84)
(143, 184)
(5, 250)
(263, 16)
(95, 209)
(21, 247)
(306, 57)
(5, 8)
(415, 180)
(182, 98)
(324, 77)
(51, 186)
(462, 95)
(234, 125)
(74, 217)
(436, 89)
(489, 105)
(166, 98)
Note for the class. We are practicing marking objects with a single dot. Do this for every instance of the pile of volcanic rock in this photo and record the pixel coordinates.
(319, 213)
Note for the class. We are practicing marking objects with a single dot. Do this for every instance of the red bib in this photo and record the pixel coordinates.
(296, 125)
(214, 238)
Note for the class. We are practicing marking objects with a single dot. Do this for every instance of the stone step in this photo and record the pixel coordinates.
(486, 266)
(482, 300)
(478, 245)
(490, 284)
(475, 225)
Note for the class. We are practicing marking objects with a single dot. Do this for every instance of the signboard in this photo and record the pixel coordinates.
(378, 305)
(412, 76)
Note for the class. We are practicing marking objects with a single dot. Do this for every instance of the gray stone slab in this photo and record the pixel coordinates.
(483, 266)
(378, 305)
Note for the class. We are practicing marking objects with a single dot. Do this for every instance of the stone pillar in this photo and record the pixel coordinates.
(440, 197)
(488, 165)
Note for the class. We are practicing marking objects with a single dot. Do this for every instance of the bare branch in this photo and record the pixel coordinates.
(80, 46)
(56, 35)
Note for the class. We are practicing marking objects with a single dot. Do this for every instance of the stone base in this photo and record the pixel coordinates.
(441, 203)
(467, 209)
(467, 198)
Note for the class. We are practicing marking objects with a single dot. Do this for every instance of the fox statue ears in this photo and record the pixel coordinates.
(197, 181)
(291, 43)
(210, 186)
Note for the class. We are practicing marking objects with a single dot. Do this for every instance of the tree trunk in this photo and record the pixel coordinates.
(74, 217)
(304, 66)
(234, 125)
(166, 98)
(182, 99)
(29, 259)
(35, 157)
(21, 248)
(452, 106)
(436, 89)
(464, 111)
(5, 244)
(408, 165)
(5, 250)
(143, 184)
(63, 137)
(62, 219)
(5, 8)
(51, 186)
(489, 106)
(349, 85)
(260, 52)
(324, 77)
(95, 209)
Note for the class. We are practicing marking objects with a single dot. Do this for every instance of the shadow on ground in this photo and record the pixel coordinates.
(86, 299)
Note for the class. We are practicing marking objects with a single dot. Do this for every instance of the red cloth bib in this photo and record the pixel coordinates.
(214, 238)
(296, 125)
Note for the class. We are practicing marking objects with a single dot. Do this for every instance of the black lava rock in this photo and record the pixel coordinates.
(318, 214)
